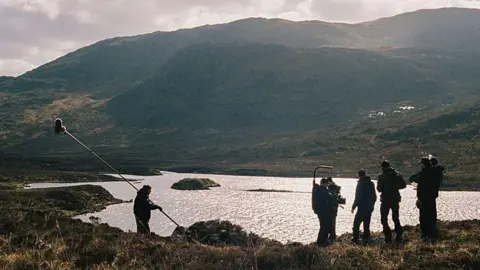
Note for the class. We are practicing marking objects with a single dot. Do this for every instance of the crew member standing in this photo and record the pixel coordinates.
(389, 184)
(428, 184)
(142, 208)
(365, 198)
(321, 204)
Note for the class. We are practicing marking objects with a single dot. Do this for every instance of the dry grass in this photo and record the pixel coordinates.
(57, 107)
(40, 234)
(18, 176)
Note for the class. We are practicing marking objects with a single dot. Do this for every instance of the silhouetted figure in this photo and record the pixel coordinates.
(321, 204)
(142, 208)
(337, 199)
(365, 198)
(439, 169)
(389, 184)
(428, 184)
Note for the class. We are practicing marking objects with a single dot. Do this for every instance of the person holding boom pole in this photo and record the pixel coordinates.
(143, 205)
(142, 208)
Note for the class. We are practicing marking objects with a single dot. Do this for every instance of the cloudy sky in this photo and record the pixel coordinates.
(33, 32)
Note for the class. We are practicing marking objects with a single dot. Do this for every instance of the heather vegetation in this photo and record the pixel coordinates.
(250, 97)
(38, 232)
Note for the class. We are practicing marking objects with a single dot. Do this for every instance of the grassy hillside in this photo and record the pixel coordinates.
(232, 86)
(255, 95)
(448, 28)
(113, 65)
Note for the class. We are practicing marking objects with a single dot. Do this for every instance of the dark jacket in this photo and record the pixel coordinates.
(322, 200)
(335, 194)
(439, 169)
(428, 181)
(389, 184)
(142, 206)
(365, 195)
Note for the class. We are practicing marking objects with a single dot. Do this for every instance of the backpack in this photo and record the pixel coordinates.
(399, 181)
(315, 195)
(370, 193)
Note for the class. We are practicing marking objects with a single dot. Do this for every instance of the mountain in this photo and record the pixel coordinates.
(254, 91)
(112, 65)
(266, 87)
(449, 28)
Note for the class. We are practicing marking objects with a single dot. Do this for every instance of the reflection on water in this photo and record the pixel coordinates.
(281, 216)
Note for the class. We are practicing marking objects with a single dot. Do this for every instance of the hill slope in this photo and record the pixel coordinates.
(267, 88)
(112, 65)
(254, 91)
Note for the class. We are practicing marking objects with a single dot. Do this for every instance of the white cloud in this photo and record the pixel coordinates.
(37, 31)
(14, 67)
(84, 17)
(48, 7)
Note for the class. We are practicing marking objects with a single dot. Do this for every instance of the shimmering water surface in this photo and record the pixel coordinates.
(281, 216)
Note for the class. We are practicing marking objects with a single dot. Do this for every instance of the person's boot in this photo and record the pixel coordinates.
(367, 239)
(424, 237)
(388, 235)
(388, 239)
(427, 239)
(399, 239)
(355, 241)
(398, 235)
(323, 244)
(332, 239)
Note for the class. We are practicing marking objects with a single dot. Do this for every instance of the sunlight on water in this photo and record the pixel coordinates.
(281, 216)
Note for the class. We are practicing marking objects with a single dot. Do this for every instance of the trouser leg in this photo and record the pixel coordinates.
(356, 226)
(428, 218)
(366, 226)
(319, 238)
(396, 220)
(142, 226)
(434, 219)
(333, 233)
(325, 229)
(384, 211)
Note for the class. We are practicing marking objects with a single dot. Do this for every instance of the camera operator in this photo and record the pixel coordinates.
(337, 198)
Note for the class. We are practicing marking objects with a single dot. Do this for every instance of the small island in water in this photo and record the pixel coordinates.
(194, 184)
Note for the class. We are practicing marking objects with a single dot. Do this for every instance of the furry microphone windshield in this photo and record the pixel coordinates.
(59, 126)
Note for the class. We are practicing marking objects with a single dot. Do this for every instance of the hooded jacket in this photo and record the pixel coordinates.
(365, 195)
(389, 184)
(322, 200)
(439, 169)
(142, 206)
(334, 190)
(429, 181)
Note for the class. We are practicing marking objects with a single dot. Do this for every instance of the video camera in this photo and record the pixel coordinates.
(342, 200)
(336, 188)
